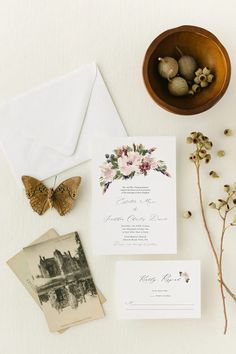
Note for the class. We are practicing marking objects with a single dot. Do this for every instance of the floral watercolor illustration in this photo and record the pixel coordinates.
(128, 161)
(185, 276)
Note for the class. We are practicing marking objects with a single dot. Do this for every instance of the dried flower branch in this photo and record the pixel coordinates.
(224, 206)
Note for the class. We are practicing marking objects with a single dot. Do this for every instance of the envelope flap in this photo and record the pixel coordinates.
(53, 115)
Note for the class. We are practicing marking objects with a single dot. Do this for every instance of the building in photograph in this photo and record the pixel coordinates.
(59, 264)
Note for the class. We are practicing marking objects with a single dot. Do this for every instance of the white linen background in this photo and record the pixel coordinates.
(41, 40)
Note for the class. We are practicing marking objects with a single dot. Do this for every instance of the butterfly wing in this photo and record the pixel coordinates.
(65, 194)
(37, 194)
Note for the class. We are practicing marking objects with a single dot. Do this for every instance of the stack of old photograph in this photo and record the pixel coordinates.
(55, 272)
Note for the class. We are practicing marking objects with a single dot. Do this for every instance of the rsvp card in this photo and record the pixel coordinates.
(134, 195)
(158, 289)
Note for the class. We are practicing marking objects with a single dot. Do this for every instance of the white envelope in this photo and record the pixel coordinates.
(51, 128)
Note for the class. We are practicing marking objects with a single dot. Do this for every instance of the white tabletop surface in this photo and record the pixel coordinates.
(41, 40)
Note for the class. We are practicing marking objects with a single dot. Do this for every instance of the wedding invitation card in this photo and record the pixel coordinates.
(158, 289)
(134, 195)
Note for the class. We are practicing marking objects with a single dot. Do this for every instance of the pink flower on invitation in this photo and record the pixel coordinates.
(129, 163)
(108, 173)
(121, 151)
(148, 163)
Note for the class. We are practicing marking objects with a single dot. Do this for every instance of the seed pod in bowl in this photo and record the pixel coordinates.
(196, 88)
(203, 77)
(198, 72)
(197, 80)
(210, 77)
(206, 71)
(168, 67)
(204, 83)
(178, 86)
(187, 66)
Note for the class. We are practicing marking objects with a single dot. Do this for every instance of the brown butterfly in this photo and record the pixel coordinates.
(42, 198)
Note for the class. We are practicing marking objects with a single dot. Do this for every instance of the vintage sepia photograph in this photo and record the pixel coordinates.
(63, 281)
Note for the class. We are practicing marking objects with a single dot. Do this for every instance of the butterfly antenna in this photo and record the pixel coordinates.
(54, 182)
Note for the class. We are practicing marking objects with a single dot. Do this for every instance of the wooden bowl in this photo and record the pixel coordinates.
(206, 50)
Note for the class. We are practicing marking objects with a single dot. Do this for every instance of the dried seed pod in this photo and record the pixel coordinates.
(202, 77)
(207, 158)
(193, 134)
(193, 157)
(198, 72)
(227, 188)
(187, 214)
(228, 132)
(189, 140)
(206, 71)
(208, 145)
(221, 153)
(221, 203)
(178, 86)
(196, 88)
(213, 174)
(210, 78)
(233, 223)
(167, 67)
(204, 84)
(202, 153)
(212, 205)
(187, 67)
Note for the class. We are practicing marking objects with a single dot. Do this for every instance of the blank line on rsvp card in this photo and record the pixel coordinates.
(160, 309)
